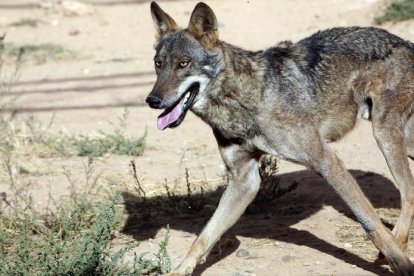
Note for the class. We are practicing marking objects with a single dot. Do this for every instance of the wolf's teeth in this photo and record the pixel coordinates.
(186, 97)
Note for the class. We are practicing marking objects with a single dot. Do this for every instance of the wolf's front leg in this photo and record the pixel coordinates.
(244, 182)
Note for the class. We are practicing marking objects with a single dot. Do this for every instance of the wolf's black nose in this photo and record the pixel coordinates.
(153, 102)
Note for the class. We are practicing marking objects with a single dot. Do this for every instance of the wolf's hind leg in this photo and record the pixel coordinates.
(388, 132)
(332, 169)
(409, 137)
(244, 182)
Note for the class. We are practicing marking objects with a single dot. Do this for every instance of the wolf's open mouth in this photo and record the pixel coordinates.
(173, 116)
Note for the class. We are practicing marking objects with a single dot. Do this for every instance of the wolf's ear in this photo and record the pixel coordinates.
(203, 25)
(162, 21)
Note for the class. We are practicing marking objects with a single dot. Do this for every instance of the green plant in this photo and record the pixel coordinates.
(161, 264)
(115, 142)
(92, 146)
(397, 11)
(66, 246)
(163, 258)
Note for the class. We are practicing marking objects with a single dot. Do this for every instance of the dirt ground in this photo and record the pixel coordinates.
(306, 232)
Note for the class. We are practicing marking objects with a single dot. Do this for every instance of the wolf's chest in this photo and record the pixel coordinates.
(232, 123)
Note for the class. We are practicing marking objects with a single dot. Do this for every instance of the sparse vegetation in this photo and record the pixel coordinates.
(74, 235)
(397, 11)
(115, 142)
(74, 238)
(37, 53)
(36, 139)
(72, 241)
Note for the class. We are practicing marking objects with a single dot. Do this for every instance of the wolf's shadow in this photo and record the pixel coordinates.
(271, 220)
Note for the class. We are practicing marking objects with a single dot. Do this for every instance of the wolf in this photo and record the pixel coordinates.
(290, 101)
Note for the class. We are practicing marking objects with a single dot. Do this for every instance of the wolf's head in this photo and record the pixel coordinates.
(185, 61)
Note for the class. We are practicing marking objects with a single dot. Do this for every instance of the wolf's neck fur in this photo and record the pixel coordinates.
(234, 94)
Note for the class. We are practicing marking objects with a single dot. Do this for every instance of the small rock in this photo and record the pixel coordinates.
(287, 258)
(242, 253)
(347, 245)
(306, 264)
(54, 22)
(14, 170)
(86, 71)
(73, 32)
(354, 266)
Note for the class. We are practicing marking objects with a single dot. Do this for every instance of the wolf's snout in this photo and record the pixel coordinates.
(153, 102)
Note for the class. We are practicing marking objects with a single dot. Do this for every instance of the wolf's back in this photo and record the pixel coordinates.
(363, 44)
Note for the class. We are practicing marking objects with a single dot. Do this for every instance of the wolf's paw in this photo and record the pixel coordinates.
(182, 270)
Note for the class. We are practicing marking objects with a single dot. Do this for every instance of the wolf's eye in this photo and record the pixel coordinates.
(183, 64)
(158, 64)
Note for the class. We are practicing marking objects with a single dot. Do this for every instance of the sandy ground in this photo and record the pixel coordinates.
(299, 234)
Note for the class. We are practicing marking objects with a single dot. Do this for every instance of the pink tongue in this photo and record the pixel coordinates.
(164, 120)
